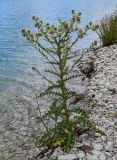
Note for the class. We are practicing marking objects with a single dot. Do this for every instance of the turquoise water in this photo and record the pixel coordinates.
(16, 55)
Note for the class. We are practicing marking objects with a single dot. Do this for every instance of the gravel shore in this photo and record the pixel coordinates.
(17, 122)
(103, 87)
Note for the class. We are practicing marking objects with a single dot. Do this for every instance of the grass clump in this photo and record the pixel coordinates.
(107, 30)
(57, 45)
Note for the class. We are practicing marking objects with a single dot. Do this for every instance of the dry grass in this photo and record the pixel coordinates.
(107, 31)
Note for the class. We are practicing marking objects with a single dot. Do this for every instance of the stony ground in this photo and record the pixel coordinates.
(17, 122)
(102, 87)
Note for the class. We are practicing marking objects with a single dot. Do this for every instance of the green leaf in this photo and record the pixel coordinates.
(52, 72)
(71, 77)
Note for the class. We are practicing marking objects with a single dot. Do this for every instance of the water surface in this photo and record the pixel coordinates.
(16, 56)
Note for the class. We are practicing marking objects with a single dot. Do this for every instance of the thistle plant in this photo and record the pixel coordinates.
(57, 44)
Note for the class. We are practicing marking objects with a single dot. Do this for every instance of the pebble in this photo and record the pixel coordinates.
(103, 138)
(102, 156)
(97, 153)
(91, 157)
(98, 147)
(81, 154)
(68, 157)
(108, 154)
(114, 158)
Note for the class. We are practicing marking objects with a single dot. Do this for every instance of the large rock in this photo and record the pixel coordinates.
(87, 68)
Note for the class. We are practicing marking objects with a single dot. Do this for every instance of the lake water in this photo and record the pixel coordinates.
(16, 55)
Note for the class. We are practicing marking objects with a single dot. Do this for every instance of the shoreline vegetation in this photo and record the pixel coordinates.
(87, 132)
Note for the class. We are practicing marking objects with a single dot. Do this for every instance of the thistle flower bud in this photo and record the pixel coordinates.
(52, 31)
(77, 18)
(28, 39)
(73, 11)
(23, 30)
(73, 19)
(66, 25)
(95, 43)
(33, 17)
(38, 34)
(47, 27)
(90, 23)
(47, 24)
(60, 30)
(95, 27)
(36, 19)
(28, 31)
(66, 48)
(35, 69)
(36, 24)
(80, 13)
(80, 33)
(55, 28)
(35, 38)
(87, 27)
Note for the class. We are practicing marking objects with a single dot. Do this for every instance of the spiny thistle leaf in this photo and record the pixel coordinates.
(53, 62)
(52, 72)
(50, 92)
(71, 77)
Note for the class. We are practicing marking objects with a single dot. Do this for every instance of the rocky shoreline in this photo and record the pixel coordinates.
(17, 122)
(102, 87)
